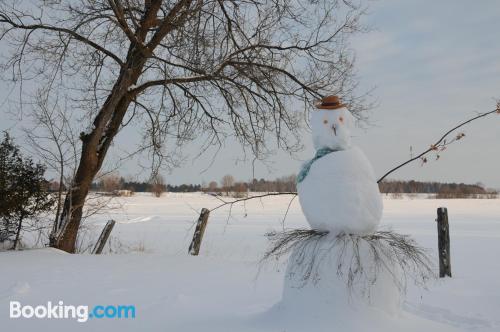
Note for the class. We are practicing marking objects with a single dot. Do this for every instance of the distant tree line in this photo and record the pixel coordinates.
(229, 186)
(114, 182)
(443, 190)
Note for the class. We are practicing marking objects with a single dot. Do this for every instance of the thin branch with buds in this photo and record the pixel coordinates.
(441, 144)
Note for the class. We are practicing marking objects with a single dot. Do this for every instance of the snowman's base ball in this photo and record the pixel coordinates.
(341, 271)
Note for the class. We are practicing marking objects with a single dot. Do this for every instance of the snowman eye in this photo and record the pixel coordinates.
(325, 121)
(341, 119)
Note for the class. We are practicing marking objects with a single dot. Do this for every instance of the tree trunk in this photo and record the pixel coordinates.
(18, 233)
(94, 148)
(59, 194)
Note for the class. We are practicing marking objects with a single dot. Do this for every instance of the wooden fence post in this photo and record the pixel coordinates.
(194, 247)
(103, 238)
(443, 242)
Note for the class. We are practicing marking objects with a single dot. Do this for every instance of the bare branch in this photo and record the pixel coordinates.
(231, 203)
(33, 27)
(440, 143)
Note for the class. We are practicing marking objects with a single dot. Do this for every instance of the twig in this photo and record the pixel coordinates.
(398, 255)
(231, 203)
(441, 142)
(286, 213)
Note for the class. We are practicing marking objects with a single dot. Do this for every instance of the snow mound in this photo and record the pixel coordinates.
(350, 282)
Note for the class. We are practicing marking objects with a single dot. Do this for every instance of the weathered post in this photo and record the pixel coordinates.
(103, 238)
(194, 247)
(443, 242)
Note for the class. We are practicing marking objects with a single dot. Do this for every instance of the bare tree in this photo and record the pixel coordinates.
(227, 183)
(240, 189)
(51, 138)
(110, 182)
(183, 69)
(212, 186)
(158, 186)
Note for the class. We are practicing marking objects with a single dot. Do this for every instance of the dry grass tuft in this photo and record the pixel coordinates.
(397, 254)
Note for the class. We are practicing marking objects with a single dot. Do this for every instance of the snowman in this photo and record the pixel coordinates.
(337, 189)
(342, 275)
(339, 195)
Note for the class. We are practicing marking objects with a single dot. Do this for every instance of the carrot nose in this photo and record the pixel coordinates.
(334, 129)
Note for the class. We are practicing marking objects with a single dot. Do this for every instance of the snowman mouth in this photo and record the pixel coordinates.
(334, 129)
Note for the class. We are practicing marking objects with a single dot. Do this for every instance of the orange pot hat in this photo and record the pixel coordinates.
(330, 103)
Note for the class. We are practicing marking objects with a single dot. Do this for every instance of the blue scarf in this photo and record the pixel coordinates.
(307, 166)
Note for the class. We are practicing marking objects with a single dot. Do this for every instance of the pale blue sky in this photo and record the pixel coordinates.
(432, 64)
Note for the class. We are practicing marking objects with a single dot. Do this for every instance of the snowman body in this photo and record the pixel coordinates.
(338, 191)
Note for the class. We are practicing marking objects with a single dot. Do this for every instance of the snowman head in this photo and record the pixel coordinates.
(331, 125)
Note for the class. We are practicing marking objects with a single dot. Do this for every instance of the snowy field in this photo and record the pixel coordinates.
(225, 288)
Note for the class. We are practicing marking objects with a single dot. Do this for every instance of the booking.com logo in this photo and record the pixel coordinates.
(81, 313)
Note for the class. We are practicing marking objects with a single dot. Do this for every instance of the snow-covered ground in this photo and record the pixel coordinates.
(225, 288)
